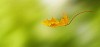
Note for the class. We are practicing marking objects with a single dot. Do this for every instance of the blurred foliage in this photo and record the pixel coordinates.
(20, 25)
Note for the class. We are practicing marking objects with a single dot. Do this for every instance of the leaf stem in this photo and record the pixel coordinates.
(76, 16)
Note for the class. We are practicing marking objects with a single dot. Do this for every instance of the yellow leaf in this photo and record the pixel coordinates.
(64, 21)
(52, 23)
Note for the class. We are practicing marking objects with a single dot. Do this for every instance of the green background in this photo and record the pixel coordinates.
(21, 24)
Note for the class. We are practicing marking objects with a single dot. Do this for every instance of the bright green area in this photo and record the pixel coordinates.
(20, 25)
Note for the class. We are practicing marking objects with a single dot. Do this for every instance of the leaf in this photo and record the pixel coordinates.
(64, 21)
(52, 23)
